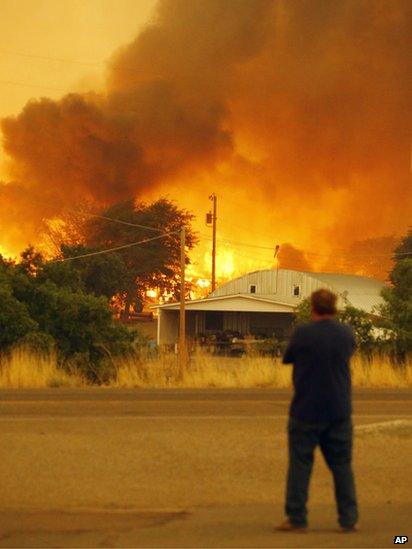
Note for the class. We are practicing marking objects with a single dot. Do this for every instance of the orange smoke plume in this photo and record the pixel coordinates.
(296, 111)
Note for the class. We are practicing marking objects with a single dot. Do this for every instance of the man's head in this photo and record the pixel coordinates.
(323, 304)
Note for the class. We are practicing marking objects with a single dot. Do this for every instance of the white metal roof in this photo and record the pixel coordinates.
(276, 288)
(361, 292)
(232, 303)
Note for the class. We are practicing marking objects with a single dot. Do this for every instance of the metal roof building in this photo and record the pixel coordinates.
(263, 302)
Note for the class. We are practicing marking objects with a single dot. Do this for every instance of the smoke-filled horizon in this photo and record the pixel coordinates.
(297, 112)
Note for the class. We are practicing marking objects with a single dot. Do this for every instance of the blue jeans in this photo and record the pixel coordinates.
(335, 441)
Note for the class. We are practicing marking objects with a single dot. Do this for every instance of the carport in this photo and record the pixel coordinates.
(248, 315)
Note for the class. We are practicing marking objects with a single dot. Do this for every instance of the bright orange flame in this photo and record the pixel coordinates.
(225, 263)
(203, 283)
(5, 252)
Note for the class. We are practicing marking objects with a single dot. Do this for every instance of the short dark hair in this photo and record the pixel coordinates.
(323, 302)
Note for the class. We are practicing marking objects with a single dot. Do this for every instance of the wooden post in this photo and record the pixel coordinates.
(213, 198)
(182, 315)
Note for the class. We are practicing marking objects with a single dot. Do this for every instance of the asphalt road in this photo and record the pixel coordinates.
(186, 468)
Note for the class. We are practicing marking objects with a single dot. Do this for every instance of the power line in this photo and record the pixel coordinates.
(77, 62)
(49, 58)
(125, 222)
(349, 254)
(110, 109)
(26, 85)
(314, 254)
(129, 224)
(346, 261)
(235, 243)
(99, 216)
(108, 250)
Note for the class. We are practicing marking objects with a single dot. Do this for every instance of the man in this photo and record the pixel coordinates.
(320, 413)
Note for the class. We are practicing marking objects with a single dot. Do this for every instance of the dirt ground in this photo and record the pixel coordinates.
(96, 468)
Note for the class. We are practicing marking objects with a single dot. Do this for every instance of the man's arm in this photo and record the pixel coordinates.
(352, 340)
(288, 357)
(290, 354)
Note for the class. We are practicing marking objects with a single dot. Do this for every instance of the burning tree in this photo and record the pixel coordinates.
(130, 273)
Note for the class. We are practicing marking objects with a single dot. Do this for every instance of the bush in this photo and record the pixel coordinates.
(42, 315)
(15, 321)
(38, 342)
(362, 326)
(303, 312)
(360, 321)
(397, 310)
(82, 327)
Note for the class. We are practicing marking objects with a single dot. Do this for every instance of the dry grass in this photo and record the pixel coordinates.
(380, 373)
(203, 371)
(23, 369)
(246, 372)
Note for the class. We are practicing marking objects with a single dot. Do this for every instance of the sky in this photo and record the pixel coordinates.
(82, 33)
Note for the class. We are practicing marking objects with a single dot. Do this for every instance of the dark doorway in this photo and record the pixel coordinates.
(213, 321)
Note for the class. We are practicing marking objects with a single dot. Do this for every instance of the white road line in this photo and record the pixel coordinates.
(396, 424)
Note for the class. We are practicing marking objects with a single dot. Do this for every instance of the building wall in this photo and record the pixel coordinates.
(237, 321)
(271, 324)
(233, 320)
(268, 324)
(273, 284)
(167, 327)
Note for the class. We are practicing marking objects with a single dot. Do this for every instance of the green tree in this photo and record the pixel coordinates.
(81, 325)
(38, 311)
(154, 264)
(63, 274)
(397, 309)
(362, 325)
(15, 321)
(404, 250)
(360, 321)
(100, 275)
(303, 312)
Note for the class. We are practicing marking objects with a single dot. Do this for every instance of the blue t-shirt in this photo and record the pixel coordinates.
(320, 352)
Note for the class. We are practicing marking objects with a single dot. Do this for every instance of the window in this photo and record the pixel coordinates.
(252, 288)
(296, 290)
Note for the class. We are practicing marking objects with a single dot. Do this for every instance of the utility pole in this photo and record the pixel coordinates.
(275, 255)
(211, 218)
(182, 314)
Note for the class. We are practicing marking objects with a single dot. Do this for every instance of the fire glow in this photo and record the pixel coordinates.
(303, 139)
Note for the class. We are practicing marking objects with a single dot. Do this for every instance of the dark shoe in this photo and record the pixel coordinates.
(287, 526)
(347, 529)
